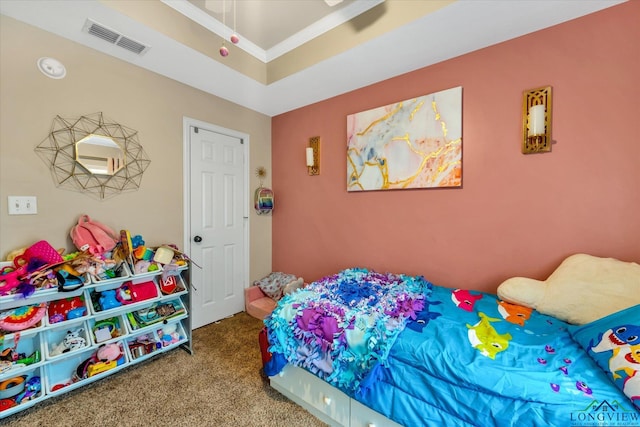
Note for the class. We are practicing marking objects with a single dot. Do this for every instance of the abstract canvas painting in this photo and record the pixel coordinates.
(415, 143)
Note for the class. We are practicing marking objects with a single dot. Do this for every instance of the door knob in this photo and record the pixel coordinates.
(197, 239)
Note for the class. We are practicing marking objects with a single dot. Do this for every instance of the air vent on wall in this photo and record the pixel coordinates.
(113, 37)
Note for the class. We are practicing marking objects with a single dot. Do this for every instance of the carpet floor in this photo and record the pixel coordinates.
(221, 384)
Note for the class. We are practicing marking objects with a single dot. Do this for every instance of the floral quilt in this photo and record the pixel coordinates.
(343, 326)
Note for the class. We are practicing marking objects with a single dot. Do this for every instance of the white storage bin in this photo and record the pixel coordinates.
(70, 309)
(107, 329)
(59, 373)
(111, 299)
(64, 375)
(142, 346)
(21, 314)
(171, 334)
(180, 286)
(122, 273)
(156, 313)
(32, 390)
(147, 275)
(14, 299)
(55, 345)
(31, 349)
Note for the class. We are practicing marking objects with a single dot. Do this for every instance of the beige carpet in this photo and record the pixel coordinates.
(220, 385)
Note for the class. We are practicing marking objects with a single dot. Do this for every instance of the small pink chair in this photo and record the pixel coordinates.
(257, 304)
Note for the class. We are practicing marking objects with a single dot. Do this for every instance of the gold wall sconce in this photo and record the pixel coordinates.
(536, 120)
(313, 156)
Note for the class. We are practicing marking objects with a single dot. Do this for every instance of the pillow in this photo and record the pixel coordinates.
(614, 343)
(273, 285)
(582, 289)
(293, 286)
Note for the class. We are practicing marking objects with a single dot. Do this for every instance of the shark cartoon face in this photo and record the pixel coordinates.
(626, 359)
(616, 337)
(422, 320)
(484, 338)
(464, 299)
(626, 334)
(514, 313)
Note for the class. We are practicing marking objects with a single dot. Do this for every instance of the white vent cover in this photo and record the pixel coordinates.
(114, 37)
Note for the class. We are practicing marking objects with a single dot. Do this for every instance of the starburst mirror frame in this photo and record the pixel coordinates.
(59, 151)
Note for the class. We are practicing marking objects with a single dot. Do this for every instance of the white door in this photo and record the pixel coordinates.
(217, 223)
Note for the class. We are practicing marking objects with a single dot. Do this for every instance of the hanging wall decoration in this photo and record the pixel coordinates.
(263, 197)
(415, 143)
(95, 156)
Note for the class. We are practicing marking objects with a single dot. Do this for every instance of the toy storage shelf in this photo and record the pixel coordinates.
(142, 330)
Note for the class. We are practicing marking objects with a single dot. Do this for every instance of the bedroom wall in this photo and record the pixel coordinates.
(516, 215)
(149, 103)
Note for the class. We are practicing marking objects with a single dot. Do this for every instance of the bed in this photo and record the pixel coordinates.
(365, 348)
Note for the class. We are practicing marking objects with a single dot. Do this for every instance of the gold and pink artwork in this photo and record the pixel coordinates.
(415, 143)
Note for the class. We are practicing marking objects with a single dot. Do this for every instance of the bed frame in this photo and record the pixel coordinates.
(324, 401)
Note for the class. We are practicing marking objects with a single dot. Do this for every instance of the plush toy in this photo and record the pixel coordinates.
(293, 286)
(71, 341)
(108, 300)
(17, 252)
(582, 289)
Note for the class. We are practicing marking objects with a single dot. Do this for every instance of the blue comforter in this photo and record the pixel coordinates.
(483, 362)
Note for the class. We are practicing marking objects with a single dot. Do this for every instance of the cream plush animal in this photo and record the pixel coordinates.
(583, 288)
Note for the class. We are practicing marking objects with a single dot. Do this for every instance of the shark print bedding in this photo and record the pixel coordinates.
(463, 358)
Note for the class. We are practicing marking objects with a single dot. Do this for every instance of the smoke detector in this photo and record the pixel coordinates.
(51, 68)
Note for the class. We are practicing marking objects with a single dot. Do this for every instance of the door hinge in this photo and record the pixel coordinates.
(195, 129)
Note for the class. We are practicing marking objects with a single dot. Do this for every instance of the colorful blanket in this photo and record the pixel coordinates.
(344, 325)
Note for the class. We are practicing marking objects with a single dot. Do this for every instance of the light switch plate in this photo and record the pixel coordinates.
(22, 205)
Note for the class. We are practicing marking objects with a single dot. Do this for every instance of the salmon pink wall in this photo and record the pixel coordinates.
(516, 215)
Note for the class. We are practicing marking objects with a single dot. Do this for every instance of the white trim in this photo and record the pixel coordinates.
(187, 122)
(320, 27)
(316, 29)
(201, 17)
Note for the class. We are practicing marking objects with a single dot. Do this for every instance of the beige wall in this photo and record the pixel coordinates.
(149, 103)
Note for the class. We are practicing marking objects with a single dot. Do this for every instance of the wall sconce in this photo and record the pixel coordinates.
(536, 120)
(313, 156)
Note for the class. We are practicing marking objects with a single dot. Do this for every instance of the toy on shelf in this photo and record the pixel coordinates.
(143, 266)
(26, 268)
(158, 312)
(108, 356)
(143, 345)
(108, 300)
(11, 359)
(18, 389)
(137, 241)
(66, 309)
(22, 318)
(9, 278)
(92, 236)
(72, 341)
(106, 329)
(31, 390)
(169, 334)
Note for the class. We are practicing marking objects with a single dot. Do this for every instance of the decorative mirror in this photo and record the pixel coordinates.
(94, 156)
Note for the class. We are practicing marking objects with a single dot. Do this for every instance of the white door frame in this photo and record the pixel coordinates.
(187, 122)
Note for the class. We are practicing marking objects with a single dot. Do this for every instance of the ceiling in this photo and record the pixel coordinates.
(295, 52)
(261, 23)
